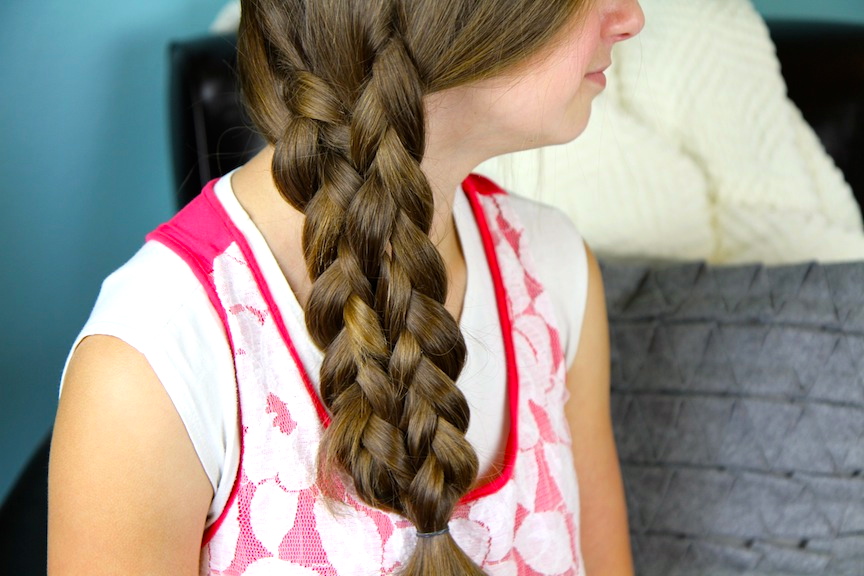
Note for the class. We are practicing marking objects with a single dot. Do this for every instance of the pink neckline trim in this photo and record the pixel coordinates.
(475, 186)
(246, 250)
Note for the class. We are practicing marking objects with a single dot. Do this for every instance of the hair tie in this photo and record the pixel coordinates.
(433, 534)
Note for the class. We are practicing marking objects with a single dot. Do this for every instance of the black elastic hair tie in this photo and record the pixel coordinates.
(433, 534)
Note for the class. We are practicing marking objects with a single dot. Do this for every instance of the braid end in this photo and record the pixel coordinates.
(440, 555)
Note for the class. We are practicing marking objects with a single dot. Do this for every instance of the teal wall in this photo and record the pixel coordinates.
(85, 174)
(842, 10)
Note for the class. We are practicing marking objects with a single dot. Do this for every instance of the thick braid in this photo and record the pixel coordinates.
(427, 351)
(337, 87)
(350, 160)
(392, 350)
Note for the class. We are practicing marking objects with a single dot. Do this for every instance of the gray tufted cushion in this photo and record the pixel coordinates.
(738, 403)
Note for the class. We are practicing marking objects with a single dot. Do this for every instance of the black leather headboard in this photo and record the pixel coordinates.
(210, 132)
(823, 65)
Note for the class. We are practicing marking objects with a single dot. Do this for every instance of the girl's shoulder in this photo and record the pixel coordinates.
(156, 304)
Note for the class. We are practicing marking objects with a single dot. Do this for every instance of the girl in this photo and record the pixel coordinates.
(280, 373)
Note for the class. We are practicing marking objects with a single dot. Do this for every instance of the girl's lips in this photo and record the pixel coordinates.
(598, 77)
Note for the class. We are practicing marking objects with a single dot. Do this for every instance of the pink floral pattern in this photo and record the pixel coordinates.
(277, 521)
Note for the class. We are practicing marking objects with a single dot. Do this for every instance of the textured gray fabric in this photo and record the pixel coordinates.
(738, 402)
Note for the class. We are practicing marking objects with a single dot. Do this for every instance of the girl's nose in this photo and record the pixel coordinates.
(625, 20)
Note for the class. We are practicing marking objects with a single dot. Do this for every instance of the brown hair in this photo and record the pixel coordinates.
(337, 87)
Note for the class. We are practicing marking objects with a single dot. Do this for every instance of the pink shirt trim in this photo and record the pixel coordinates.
(474, 186)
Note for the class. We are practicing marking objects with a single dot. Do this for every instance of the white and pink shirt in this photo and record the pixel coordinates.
(524, 521)
(206, 304)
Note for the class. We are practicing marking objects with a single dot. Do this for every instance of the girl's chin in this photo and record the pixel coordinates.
(569, 130)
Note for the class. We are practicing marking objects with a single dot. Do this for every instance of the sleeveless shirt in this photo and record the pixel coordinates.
(525, 521)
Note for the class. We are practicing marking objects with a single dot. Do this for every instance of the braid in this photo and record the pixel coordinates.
(337, 87)
(393, 352)
(350, 160)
